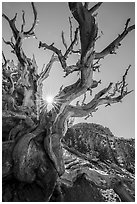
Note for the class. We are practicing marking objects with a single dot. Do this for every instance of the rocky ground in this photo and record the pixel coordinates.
(99, 166)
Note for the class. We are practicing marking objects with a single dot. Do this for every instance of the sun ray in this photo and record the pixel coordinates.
(49, 100)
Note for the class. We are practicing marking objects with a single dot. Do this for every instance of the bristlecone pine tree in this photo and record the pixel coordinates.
(32, 148)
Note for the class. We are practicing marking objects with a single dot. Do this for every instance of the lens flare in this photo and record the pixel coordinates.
(49, 100)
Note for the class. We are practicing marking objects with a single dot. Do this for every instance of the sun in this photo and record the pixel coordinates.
(49, 100)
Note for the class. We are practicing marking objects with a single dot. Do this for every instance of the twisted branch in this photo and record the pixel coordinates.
(83, 111)
(94, 8)
(72, 44)
(56, 50)
(110, 49)
(20, 35)
(63, 40)
(30, 32)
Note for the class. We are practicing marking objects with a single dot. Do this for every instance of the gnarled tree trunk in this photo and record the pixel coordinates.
(32, 149)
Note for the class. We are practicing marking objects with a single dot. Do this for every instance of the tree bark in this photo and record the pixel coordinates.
(32, 153)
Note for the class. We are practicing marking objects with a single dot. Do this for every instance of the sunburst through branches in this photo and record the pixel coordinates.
(50, 102)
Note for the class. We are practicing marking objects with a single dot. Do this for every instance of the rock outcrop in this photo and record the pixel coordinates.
(98, 143)
(99, 166)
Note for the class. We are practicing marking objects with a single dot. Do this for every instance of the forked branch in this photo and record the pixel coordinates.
(4, 58)
(63, 40)
(20, 35)
(23, 19)
(62, 58)
(12, 25)
(30, 32)
(87, 26)
(98, 100)
(94, 8)
(111, 48)
(45, 73)
(55, 50)
(70, 49)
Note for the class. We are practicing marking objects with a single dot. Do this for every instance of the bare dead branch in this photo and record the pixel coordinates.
(75, 90)
(97, 67)
(62, 58)
(94, 8)
(70, 93)
(87, 109)
(102, 92)
(42, 76)
(70, 69)
(63, 40)
(23, 19)
(9, 43)
(70, 22)
(12, 25)
(19, 36)
(108, 101)
(57, 51)
(126, 25)
(34, 65)
(94, 84)
(76, 52)
(91, 114)
(4, 58)
(124, 80)
(69, 89)
(72, 44)
(120, 88)
(30, 32)
(110, 49)
(43, 67)
(100, 35)
(45, 73)
(96, 63)
(6, 17)
(65, 97)
(88, 28)
(18, 39)
(84, 98)
(86, 5)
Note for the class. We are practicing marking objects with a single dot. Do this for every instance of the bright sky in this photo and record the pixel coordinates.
(111, 19)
